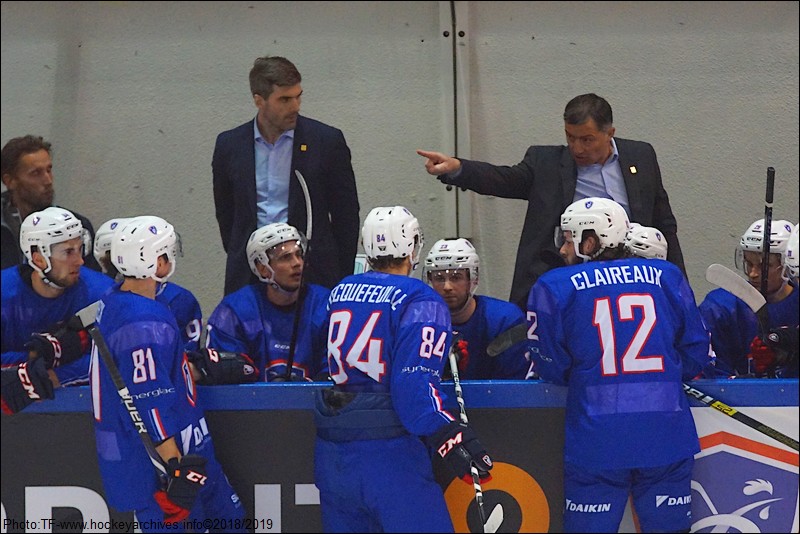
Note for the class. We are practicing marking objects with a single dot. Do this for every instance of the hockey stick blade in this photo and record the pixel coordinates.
(734, 284)
(506, 339)
(739, 416)
(495, 519)
(721, 276)
(88, 315)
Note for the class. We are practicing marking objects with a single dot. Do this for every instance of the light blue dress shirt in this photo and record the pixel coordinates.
(273, 169)
(604, 181)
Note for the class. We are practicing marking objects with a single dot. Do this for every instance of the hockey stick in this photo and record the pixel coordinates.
(506, 339)
(721, 276)
(739, 416)
(767, 229)
(87, 318)
(476, 480)
(301, 292)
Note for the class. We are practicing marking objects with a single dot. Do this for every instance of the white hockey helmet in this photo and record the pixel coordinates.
(139, 242)
(606, 217)
(392, 232)
(753, 239)
(43, 229)
(454, 254)
(792, 254)
(263, 239)
(103, 237)
(646, 242)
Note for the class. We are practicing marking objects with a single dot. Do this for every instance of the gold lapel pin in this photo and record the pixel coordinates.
(303, 148)
(633, 169)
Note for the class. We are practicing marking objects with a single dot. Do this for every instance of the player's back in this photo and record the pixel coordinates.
(622, 334)
(391, 334)
(145, 343)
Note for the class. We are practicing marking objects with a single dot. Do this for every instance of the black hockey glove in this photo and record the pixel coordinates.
(459, 447)
(24, 384)
(219, 367)
(186, 478)
(60, 345)
(785, 341)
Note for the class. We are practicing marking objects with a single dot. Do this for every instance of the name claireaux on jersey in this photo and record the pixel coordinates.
(625, 274)
(367, 293)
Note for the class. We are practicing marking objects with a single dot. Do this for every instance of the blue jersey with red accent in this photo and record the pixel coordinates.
(622, 335)
(246, 321)
(491, 318)
(147, 347)
(733, 326)
(25, 312)
(187, 312)
(391, 333)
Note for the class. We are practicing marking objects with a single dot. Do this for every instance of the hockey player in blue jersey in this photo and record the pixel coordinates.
(735, 333)
(622, 334)
(452, 270)
(388, 340)
(260, 319)
(146, 345)
(46, 291)
(177, 298)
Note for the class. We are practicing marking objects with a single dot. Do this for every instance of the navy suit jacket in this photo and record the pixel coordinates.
(546, 178)
(322, 156)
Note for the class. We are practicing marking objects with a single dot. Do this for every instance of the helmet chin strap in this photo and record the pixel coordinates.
(45, 279)
(275, 285)
(51, 283)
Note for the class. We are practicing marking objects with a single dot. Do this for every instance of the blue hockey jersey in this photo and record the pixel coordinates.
(390, 333)
(246, 321)
(622, 335)
(25, 312)
(492, 317)
(733, 326)
(147, 347)
(187, 313)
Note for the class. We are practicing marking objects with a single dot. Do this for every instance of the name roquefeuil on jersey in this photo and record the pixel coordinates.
(377, 294)
(626, 274)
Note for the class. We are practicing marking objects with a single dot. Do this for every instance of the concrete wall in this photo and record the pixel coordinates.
(133, 94)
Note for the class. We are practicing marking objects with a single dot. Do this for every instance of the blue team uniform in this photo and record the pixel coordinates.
(733, 326)
(147, 347)
(388, 341)
(622, 335)
(246, 321)
(492, 317)
(186, 309)
(25, 312)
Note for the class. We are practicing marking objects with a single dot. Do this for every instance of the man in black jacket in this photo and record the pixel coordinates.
(255, 168)
(27, 170)
(550, 178)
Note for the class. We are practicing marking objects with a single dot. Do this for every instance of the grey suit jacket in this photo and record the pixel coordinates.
(546, 178)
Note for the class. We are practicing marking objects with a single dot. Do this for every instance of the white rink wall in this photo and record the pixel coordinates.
(132, 95)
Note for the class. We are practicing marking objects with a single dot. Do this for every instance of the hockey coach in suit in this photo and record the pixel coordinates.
(282, 142)
(593, 164)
